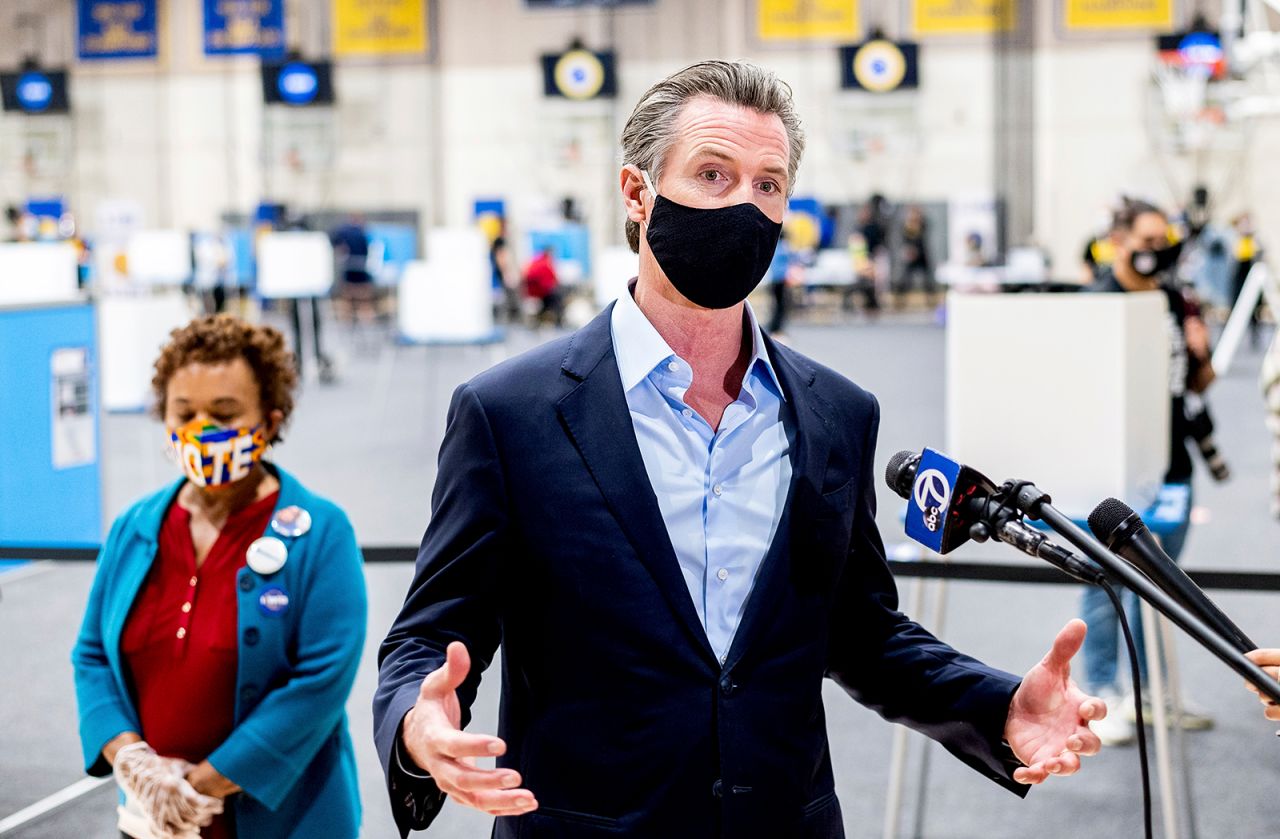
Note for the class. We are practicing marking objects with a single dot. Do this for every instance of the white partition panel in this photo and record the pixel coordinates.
(131, 331)
(449, 296)
(295, 263)
(1069, 391)
(614, 268)
(159, 257)
(37, 272)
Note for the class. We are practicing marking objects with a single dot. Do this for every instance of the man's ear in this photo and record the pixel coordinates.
(634, 193)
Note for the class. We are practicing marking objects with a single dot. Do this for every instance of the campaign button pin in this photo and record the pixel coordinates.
(267, 555)
(273, 601)
(291, 522)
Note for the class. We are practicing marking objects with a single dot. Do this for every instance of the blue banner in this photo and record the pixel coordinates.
(116, 29)
(931, 495)
(244, 27)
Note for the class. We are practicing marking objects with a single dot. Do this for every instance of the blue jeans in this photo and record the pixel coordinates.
(1102, 644)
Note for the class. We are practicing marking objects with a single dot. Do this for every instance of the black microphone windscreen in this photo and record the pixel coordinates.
(893, 472)
(1107, 516)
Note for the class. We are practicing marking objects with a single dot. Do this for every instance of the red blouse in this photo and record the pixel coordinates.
(180, 642)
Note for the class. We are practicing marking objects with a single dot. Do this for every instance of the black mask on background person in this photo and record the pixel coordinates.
(1151, 263)
(715, 257)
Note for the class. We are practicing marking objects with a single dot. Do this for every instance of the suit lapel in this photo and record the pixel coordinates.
(810, 415)
(596, 417)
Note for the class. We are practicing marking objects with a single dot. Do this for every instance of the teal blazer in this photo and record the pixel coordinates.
(290, 750)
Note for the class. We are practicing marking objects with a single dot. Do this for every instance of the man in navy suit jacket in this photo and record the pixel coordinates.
(667, 521)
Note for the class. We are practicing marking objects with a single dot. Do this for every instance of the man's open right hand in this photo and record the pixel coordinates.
(434, 739)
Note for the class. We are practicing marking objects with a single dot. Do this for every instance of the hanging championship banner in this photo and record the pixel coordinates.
(964, 17)
(116, 29)
(778, 20)
(579, 74)
(370, 28)
(880, 66)
(1117, 14)
(244, 27)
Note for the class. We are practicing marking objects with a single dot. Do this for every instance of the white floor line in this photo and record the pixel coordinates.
(22, 572)
(52, 802)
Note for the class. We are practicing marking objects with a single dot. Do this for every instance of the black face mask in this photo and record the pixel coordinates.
(714, 257)
(1150, 263)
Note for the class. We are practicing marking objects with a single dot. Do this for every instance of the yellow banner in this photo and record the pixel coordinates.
(363, 28)
(1118, 14)
(964, 17)
(807, 19)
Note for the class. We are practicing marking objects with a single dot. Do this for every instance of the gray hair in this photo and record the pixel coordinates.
(650, 130)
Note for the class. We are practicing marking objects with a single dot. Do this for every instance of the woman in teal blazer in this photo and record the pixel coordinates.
(286, 768)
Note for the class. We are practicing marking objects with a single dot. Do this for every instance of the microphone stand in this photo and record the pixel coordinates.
(1036, 504)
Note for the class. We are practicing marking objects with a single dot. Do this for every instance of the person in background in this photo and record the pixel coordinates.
(13, 217)
(351, 249)
(915, 259)
(1099, 252)
(1268, 660)
(1143, 261)
(506, 281)
(778, 281)
(226, 618)
(541, 283)
(865, 281)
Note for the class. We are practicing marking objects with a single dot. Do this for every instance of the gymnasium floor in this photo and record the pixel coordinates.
(369, 442)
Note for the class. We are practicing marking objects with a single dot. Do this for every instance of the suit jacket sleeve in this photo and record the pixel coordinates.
(891, 664)
(452, 598)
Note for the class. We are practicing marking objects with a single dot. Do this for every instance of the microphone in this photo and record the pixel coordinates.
(951, 504)
(1122, 530)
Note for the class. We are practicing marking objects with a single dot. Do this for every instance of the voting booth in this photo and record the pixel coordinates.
(37, 272)
(448, 297)
(131, 330)
(50, 472)
(1070, 391)
(295, 263)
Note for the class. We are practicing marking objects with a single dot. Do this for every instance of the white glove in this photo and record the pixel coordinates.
(159, 787)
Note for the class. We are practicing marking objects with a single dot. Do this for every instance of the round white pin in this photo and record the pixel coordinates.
(291, 522)
(267, 555)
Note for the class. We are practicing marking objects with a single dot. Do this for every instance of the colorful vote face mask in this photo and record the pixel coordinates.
(212, 456)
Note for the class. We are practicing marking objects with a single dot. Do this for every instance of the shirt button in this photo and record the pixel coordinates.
(672, 366)
(182, 632)
(193, 581)
(246, 582)
(687, 413)
(718, 490)
(186, 607)
(717, 789)
(722, 574)
(251, 636)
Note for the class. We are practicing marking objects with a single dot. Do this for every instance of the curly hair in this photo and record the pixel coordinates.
(221, 338)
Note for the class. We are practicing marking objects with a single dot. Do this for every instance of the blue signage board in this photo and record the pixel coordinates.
(244, 27)
(116, 29)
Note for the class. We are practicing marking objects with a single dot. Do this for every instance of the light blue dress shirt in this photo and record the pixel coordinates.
(721, 492)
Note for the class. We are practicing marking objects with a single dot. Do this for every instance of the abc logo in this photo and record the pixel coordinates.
(931, 492)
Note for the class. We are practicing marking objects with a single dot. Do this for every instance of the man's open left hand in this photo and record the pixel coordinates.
(1048, 723)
